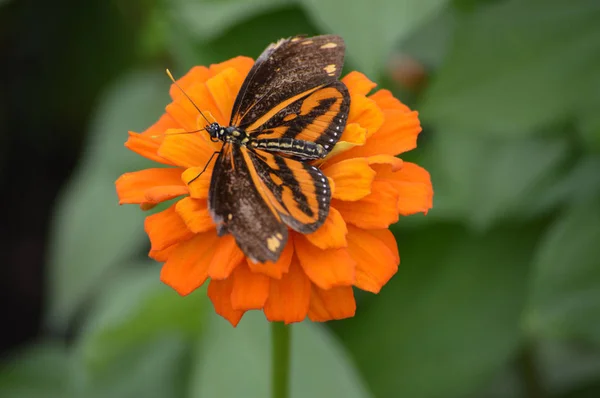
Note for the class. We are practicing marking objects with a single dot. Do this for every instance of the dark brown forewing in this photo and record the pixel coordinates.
(319, 117)
(284, 70)
(238, 208)
(301, 191)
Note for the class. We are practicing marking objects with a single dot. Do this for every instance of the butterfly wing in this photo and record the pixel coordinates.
(291, 96)
(239, 205)
(318, 117)
(285, 72)
(255, 196)
(299, 192)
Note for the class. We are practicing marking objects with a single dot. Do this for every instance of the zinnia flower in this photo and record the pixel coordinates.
(316, 273)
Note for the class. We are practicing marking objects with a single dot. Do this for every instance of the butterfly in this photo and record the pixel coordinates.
(291, 109)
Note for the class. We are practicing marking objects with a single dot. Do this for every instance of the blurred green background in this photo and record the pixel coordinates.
(498, 292)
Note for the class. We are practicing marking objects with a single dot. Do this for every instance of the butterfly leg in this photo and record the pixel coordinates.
(205, 167)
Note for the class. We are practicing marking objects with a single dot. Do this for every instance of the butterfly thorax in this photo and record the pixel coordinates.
(228, 134)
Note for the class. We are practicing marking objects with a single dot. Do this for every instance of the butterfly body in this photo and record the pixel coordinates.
(291, 109)
(300, 149)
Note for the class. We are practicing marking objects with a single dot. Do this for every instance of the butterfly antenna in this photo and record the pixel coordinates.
(178, 132)
(187, 96)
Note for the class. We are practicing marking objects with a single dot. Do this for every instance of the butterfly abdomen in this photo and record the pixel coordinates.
(291, 146)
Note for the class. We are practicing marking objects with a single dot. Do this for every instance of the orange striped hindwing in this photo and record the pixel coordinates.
(300, 190)
(261, 194)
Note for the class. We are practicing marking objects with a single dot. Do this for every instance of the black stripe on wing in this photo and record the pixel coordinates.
(301, 190)
(319, 117)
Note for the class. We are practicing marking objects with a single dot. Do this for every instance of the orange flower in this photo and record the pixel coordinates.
(315, 273)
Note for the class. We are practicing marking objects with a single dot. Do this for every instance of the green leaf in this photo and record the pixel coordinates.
(319, 367)
(450, 319)
(156, 369)
(581, 182)
(516, 67)
(91, 233)
(430, 42)
(371, 28)
(39, 371)
(565, 299)
(588, 116)
(144, 328)
(134, 310)
(266, 28)
(484, 180)
(566, 367)
(206, 20)
(560, 367)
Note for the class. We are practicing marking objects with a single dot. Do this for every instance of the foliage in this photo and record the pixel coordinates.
(498, 294)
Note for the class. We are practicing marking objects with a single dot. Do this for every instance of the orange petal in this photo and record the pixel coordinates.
(277, 269)
(146, 146)
(186, 150)
(366, 113)
(198, 74)
(416, 191)
(186, 268)
(413, 185)
(160, 194)
(393, 162)
(353, 135)
(166, 228)
(219, 293)
(227, 257)
(241, 64)
(224, 88)
(325, 268)
(132, 187)
(201, 182)
(353, 178)
(376, 263)
(157, 130)
(397, 135)
(185, 112)
(358, 84)
(387, 237)
(195, 214)
(376, 210)
(250, 290)
(335, 303)
(161, 255)
(145, 206)
(289, 297)
(386, 100)
(332, 234)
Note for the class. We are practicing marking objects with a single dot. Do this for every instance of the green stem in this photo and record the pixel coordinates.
(280, 360)
(531, 378)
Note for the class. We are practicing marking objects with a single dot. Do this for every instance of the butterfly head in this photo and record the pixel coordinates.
(215, 131)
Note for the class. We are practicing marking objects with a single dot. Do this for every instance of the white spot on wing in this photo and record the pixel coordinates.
(329, 45)
(330, 69)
